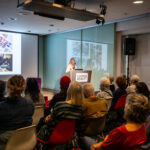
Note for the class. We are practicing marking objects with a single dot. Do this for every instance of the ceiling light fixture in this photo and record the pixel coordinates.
(12, 19)
(51, 25)
(138, 2)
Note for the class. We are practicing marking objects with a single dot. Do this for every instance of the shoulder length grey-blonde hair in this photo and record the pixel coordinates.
(137, 108)
(75, 93)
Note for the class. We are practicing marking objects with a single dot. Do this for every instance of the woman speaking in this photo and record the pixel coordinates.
(72, 65)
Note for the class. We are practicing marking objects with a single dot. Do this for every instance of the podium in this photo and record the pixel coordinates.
(82, 76)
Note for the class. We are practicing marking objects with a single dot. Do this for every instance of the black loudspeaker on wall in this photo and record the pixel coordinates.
(129, 46)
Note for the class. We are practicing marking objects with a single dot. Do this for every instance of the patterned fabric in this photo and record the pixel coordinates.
(61, 111)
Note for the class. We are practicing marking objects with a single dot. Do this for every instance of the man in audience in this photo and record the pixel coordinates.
(93, 107)
(132, 88)
(2, 90)
(15, 111)
(105, 91)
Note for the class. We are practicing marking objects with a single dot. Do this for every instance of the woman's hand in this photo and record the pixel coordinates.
(96, 146)
(48, 119)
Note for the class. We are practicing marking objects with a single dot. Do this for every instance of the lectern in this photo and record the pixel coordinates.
(82, 76)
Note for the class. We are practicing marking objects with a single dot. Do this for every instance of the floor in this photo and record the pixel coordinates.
(47, 93)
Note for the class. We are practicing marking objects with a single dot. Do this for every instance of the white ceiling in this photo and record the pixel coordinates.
(117, 9)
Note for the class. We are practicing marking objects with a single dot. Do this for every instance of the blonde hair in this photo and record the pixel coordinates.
(88, 90)
(75, 93)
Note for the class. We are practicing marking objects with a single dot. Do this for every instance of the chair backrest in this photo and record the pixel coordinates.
(94, 126)
(22, 139)
(63, 132)
(121, 102)
(38, 113)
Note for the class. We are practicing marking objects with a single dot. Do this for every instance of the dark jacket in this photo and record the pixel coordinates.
(116, 95)
(58, 98)
(15, 113)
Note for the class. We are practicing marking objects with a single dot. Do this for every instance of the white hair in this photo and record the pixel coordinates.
(88, 90)
(135, 79)
(105, 82)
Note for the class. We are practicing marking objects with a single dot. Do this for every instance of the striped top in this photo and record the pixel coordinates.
(66, 111)
(61, 111)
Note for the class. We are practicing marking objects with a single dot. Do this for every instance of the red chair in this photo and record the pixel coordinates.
(121, 102)
(62, 133)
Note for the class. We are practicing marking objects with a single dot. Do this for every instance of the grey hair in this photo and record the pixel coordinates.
(135, 78)
(105, 82)
(88, 90)
(137, 108)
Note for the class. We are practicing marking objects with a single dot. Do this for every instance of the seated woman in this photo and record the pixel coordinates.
(2, 90)
(131, 135)
(66, 110)
(121, 90)
(142, 88)
(15, 111)
(32, 91)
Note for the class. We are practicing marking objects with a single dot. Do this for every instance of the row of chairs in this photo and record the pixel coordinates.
(25, 138)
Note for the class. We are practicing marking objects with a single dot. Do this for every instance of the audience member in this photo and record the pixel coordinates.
(15, 111)
(65, 110)
(62, 95)
(2, 90)
(134, 79)
(112, 86)
(93, 107)
(32, 91)
(146, 145)
(121, 83)
(105, 91)
(142, 88)
(131, 135)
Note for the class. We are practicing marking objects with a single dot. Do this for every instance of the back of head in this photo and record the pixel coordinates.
(142, 88)
(137, 108)
(134, 79)
(2, 88)
(88, 90)
(32, 89)
(104, 83)
(111, 78)
(16, 85)
(75, 93)
(64, 82)
(121, 82)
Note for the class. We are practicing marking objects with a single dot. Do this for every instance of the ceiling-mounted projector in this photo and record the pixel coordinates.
(57, 11)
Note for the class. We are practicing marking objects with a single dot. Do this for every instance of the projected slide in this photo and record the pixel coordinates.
(10, 53)
(94, 55)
